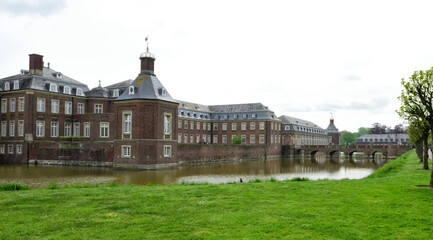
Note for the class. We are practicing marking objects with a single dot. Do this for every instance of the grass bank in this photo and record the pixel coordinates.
(385, 205)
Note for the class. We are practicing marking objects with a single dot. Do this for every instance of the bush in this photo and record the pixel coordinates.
(236, 139)
(299, 179)
(12, 187)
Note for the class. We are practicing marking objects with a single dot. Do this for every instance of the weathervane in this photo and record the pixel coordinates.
(147, 42)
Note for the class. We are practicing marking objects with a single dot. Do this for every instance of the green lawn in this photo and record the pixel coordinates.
(386, 205)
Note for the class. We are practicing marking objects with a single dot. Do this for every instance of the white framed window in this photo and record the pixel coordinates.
(244, 139)
(197, 138)
(272, 126)
(253, 115)
(40, 128)
(115, 92)
(87, 129)
(179, 124)
(126, 151)
(67, 90)
(252, 139)
(68, 107)
(4, 105)
(127, 123)
(208, 126)
(252, 126)
(191, 138)
(20, 128)
(7, 86)
(21, 104)
(224, 127)
(12, 105)
(53, 87)
(185, 138)
(198, 126)
(243, 126)
(68, 129)
(215, 139)
(131, 90)
(179, 137)
(40, 105)
(98, 108)
(4, 128)
(104, 129)
(167, 151)
(19, 149)
(208, 138)
(2, 149)
(76, 129)
(54, 129)
(215, 126)
(55, 106)
(233, 126)
(287, 127)
(79, 92)
(204, 127)
(192, 125)
(12, 128)
(167, 123)
(185, 124)
(11, 149)
(261, 138)
(224, 138)
(262, 125)
(80, 109)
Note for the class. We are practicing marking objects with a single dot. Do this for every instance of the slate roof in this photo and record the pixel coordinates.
(98, 92)
(388, 136)
(147, 86)
(332, 128)
(120, 85)
(297, 121)
(42, 82)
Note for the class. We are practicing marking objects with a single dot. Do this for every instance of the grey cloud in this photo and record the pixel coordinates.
(373, 105)
(32, 7)
(296, 108)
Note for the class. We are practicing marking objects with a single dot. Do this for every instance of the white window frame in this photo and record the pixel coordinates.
(127, 122)
(167, 150)
(21, 104)
(252, 139)
(4, 127)
(243, 126)
(126, 151)
(167, 124)
(77, 129)
(80, 108)
(54, 129)
(215, 139)
(40, 128)
(131, 90)
(11, 128)
(4, 105)
(12, 105)
(98, 108)
(40, 104)
(53, 87)
(68, 129)
(55, 106)
(104, 129)
(19, 149)
(179, 138)
(252, 126)
(16, 85)
(7, 86)
(79, 92)
(68, 107)
(115, 92)
(10, 149)
(261, 138)
(261, 125)
(20, 128)
(67, 90)
(234, 126)
(224, 139)
(2, 149)
(87, 129)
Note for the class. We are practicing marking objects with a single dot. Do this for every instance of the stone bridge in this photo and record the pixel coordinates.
(332, 151)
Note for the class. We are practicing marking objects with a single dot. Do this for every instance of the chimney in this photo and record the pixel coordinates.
(147, 62)
(36, 64)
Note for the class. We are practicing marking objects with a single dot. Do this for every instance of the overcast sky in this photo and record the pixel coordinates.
(303, 59)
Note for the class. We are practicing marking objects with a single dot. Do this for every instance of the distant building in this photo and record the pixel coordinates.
(333, 134)
(301, 132)
(401, 138)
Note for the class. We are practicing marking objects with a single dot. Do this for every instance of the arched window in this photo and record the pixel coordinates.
(16, 85)
(7, 86)
(115, 92)
(131, 90)
(80, 92)
(53, 87)
(67, 90)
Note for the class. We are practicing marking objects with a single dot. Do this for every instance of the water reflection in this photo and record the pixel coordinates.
(319, 167)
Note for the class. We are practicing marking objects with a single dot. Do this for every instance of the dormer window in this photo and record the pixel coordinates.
(131, 90)
(80, 92)
(16, 85)
(253, 115)
(7, 86)
(53, 87)
(162, 91)
(67, 90)
(235, 116)
(58, 75)
(115, 92)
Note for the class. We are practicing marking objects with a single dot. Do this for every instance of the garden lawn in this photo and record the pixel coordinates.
(386, 205)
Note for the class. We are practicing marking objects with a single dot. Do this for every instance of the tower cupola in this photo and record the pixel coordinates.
(147, 60)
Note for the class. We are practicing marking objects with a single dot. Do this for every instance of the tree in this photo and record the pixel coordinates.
(378, 128)
(236, 139)
(362, 131)
(348, 138)
(398, 129)
(417, 99)
(418, 133)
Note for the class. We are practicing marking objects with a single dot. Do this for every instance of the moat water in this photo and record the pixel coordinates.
(280, 169)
